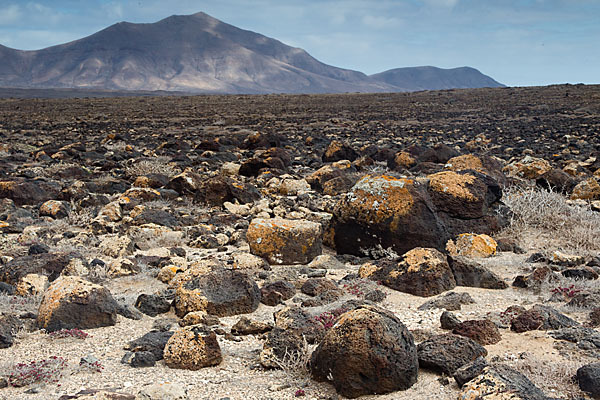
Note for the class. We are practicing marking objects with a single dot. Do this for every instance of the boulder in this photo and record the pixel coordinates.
(147, 349)
(276, 292)
(470, 371)
(71, 302)
(482, 331)
(528, 168)
(283, 241)
(449, 352)
(588, 378)
(192, 348)
(472, 245)
(324, 174)
(46, 264)
(337, 151)
(368, 351)
(542, 318)
(386, 213)
(470, 273)
(55, 209)
(279, 345)
(221, 293)
(486, 165)
(9, 325)
(501, 382)
(588, 189)
(246, 326)
(152, 304)
(29, 192)
(450, 301)
(421, 272)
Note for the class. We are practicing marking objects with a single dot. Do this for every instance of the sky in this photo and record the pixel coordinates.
(516, 42)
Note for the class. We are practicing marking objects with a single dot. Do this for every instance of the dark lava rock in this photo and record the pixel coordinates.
(469, 371)
(482, 331)
(154, 216)
(557, 180)
(152, 342)
(5, 288)
(318, 286)
(447, 353)
(501, 380)
(421, 272)
(152, 304)
(71, 302)
(588, 377)
(276, 292)
(221, 293)
(37, 248)
(9, 324)
(337, 151)
(450, 301)
(217, 190)
(48, 264)
(107, 394)
(536, 278)
(587, 273)
(29, 192)
(470, 273)
(509, 245)
(279, 344)
(449, 321)
(367, 351)
(246, 326)
(585, 300)
(542, 318)
(295, 319)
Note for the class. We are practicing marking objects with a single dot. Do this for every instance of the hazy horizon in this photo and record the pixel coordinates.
(518, 43)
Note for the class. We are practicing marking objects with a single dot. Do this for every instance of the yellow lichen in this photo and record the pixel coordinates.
(466, 161)
(453, 184)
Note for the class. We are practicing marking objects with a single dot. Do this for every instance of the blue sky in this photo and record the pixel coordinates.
(517, 42)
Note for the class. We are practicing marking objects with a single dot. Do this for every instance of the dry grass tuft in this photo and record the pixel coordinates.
(295, 365)
(155, 166)
(544, 220)
(555, 379)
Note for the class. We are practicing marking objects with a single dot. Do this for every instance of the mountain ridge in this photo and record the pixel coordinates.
(191, 53)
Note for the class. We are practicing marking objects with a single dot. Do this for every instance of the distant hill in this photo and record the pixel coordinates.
(200, 54)
(433, 78)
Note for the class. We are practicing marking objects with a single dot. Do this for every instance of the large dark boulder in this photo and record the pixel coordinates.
(221, 293)
(71, 302)
(368, 351)
(588, 377)
(449, 352)
(501, 381)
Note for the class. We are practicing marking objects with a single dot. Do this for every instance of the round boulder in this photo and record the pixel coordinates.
(472, 245)
(283, 241)
(222, 293)
(192, 348)
(71, 302)
(421, 272)
(368, 351)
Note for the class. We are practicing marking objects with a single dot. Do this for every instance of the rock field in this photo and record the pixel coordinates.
(388, 246)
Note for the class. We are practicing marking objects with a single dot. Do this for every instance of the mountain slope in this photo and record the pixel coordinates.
(191, 53)
(433, 78)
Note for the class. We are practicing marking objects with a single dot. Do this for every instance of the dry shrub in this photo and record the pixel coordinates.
(159, 165)
(553, 377)
(295, 365)
(545, 220)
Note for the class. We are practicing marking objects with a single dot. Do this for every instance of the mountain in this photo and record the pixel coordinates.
(433, 78)
(192, 53)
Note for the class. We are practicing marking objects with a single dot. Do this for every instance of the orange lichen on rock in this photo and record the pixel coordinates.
(472, 245)
(379, 198)
(586, 190)
(466, 161)
(405, 160)
(454, 184)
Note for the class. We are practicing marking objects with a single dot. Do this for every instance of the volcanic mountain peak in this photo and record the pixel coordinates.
(193, 53)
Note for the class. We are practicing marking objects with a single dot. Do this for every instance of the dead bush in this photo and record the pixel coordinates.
(544, 220)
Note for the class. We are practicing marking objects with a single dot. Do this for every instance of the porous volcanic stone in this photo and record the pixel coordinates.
(221, 293)
(368, 351)
(588, 377)
(71, 302)
(482, 331)
(283, 241)
(448, 352)
(421, 272)
(500, 381)
(470, 273)
(192, 348)
(276, 292)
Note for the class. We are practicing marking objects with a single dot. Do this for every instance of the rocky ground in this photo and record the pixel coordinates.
(389, 246)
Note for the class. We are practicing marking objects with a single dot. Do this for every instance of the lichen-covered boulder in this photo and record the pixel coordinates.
(383, 212)
(71, 302)
(486, 165)
(337, 151)
(192, 348)
(501, 382)
(588, 189)
(55, 209)
(29, 192)
(339, 169)
(283, 241)
(460, 194)
(221, 293)
(367, 351)
(420, 271)
(528, 168)
(472, 245)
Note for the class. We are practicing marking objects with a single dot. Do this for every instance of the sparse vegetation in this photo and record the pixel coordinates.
(544, 219)
(295, 365)
(155, 166)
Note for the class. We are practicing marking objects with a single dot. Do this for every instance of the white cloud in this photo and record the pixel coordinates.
(114, 10)
(10, 14)
(380, 22)
(441, 3)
